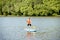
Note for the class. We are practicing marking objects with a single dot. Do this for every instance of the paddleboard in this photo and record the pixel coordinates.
(30, 30)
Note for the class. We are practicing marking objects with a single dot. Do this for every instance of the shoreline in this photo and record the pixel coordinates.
(29, 16)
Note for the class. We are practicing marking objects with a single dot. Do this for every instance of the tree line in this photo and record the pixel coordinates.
(30, 7)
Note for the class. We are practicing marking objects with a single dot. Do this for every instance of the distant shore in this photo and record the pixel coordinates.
(28, 16)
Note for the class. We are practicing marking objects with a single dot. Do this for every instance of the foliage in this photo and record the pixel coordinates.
(30, 7)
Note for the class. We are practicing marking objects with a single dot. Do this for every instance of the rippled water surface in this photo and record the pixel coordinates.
(12, 28)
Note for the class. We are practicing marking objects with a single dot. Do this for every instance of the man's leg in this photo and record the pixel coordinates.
(30, 24)
(27, 24)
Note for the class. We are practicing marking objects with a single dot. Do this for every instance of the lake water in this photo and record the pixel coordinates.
(12, 28)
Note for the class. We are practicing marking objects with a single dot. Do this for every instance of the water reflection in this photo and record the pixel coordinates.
(30, 35)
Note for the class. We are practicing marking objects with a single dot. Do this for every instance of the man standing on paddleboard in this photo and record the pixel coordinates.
(29, 22)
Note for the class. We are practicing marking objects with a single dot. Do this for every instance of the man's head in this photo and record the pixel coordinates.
(29, 17)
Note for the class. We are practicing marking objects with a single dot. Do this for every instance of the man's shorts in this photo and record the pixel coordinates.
(28, 24)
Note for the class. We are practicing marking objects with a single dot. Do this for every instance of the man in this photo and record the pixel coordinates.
(29, 22)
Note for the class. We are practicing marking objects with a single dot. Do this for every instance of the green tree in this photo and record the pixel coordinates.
(30, 7)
